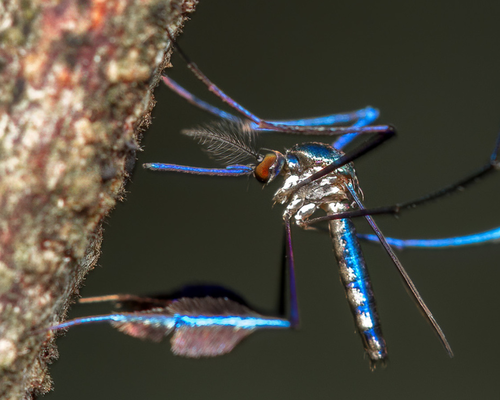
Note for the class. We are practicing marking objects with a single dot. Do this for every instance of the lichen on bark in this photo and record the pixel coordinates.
(76, 81)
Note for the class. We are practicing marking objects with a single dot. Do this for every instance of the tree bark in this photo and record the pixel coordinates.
(76, 81)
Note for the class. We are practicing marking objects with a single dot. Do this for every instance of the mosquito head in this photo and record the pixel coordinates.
(269, 167)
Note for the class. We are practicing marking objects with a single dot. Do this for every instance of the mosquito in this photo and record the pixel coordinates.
(318, 177)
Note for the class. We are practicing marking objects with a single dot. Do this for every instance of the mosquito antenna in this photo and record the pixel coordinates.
(226, 141)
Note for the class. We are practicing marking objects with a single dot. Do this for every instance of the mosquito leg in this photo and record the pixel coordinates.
(231, 170)
(492, 165)
(362, 117)
(195, 101)
(112, 297)
(487, 169)
(92, 319)
(210, 85)
(305, 126)
(365, 147)
(491, 236)
(294, 307)
(406, 278)
(343, 141)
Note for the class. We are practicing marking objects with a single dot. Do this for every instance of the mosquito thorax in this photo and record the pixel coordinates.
(311, 155)
(270, 167)
(304, 160)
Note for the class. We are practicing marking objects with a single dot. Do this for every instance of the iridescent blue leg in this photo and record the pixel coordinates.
(343, 141)
(491, 236)
(363, 117)
(231, 170)
(487, 237)
(312, 126)
(202, 327)
(122, 317)
(195, 101)
(206, 320)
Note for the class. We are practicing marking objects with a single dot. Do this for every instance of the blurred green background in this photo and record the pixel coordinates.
(432, 68)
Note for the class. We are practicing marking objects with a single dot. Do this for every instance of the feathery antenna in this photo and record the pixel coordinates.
(226, 141)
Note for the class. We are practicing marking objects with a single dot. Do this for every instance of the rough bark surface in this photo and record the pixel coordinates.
(76, 80)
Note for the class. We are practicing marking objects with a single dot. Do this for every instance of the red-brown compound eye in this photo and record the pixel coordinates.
(270, 167)
(261, 171)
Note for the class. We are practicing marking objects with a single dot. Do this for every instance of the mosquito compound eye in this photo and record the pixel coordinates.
(269, 167)
(262, 170)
